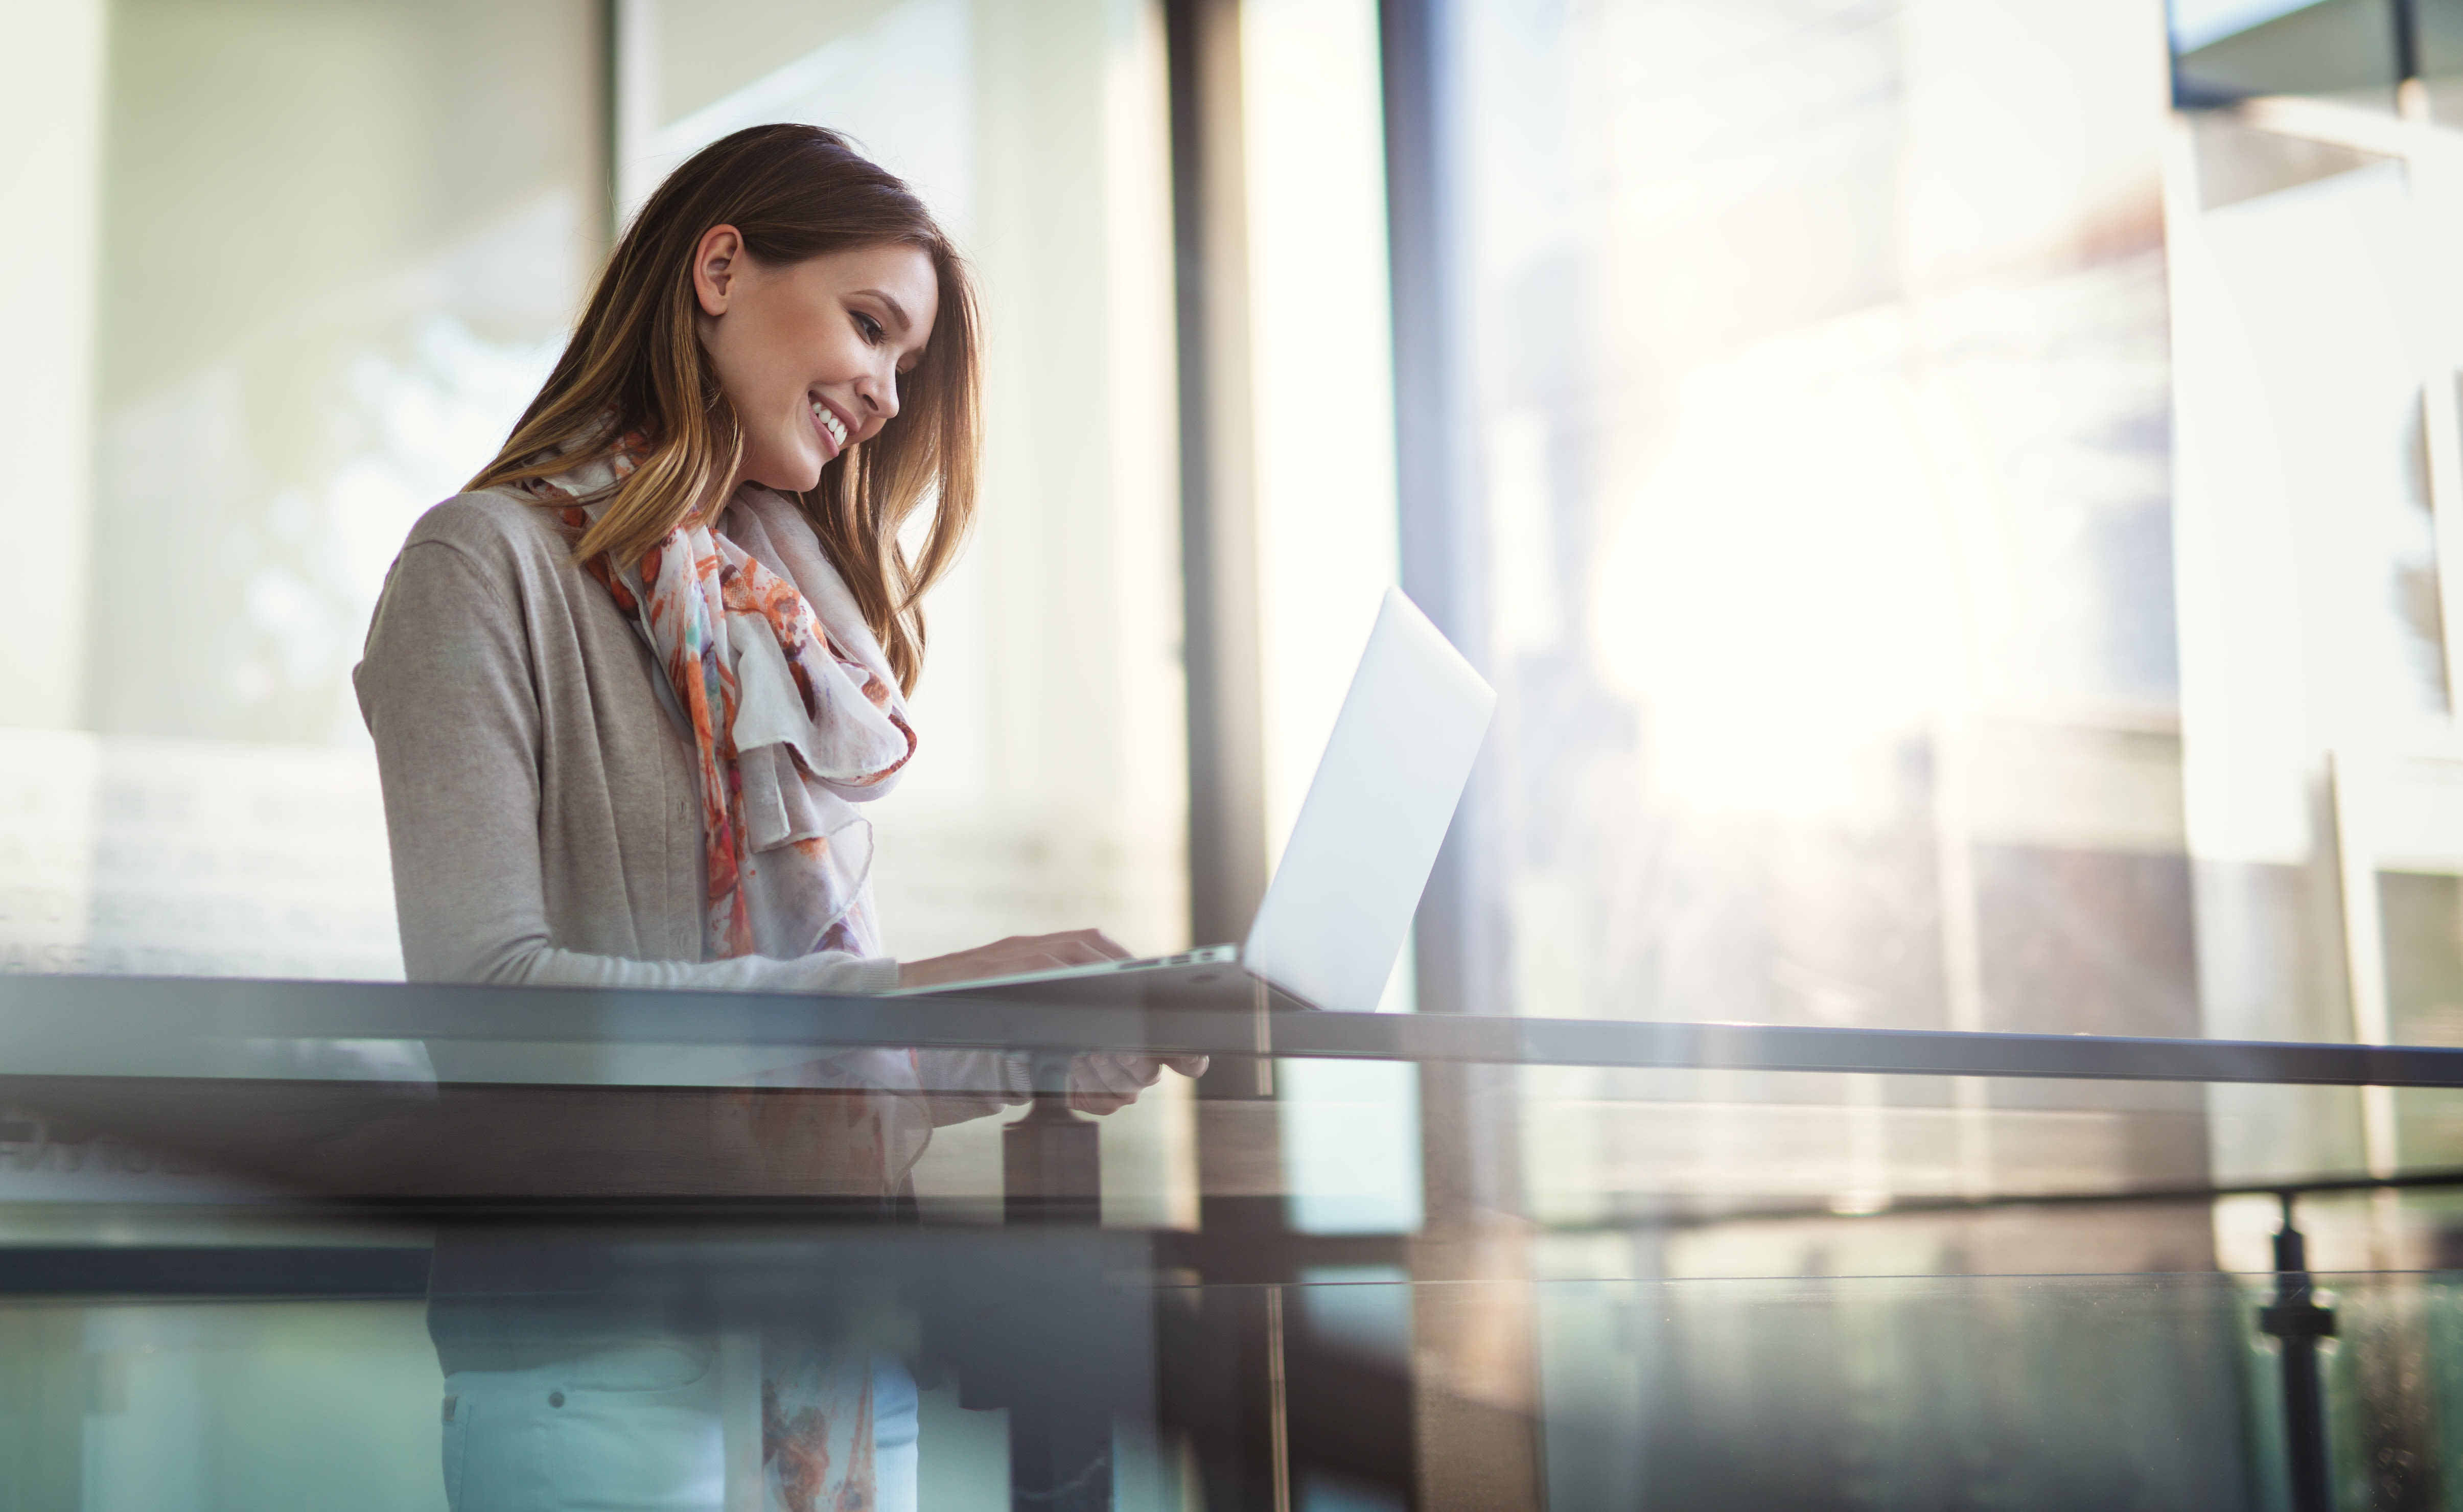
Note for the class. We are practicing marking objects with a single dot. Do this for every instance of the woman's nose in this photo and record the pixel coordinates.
(879, 395)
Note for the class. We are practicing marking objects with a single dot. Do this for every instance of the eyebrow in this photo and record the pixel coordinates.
(897, 311)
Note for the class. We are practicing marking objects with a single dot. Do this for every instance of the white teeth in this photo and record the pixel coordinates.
(832, 423)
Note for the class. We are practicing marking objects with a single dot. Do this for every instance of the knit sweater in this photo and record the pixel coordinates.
(539, 795)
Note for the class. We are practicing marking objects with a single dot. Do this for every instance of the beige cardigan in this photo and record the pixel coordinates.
(539, 795)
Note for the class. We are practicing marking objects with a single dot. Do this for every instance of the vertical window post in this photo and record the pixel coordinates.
(1227, 839)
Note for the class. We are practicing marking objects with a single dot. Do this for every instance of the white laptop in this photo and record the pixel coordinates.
(1340, 905)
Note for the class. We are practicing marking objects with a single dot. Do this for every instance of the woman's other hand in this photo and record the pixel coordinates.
(1107, 1080)
(1100, 1081)
(1014, 956)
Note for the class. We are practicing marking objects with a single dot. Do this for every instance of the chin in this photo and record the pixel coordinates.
(794, 472)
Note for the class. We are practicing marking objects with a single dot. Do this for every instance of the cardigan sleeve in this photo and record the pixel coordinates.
(449, 695)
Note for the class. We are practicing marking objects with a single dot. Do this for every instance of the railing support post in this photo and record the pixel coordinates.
(1060, 1439)
(2297, 1321)
(1052, 1164)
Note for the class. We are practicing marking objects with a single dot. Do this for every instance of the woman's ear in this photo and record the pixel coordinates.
(714, 267)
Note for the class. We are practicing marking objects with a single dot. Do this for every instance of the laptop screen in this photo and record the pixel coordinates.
(1341, 903)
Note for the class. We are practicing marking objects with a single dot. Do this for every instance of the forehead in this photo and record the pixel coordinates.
(901, 271)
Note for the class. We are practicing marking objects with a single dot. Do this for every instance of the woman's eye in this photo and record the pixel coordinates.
(870, 327)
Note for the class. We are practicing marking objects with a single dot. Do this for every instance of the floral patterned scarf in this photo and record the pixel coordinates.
(795, 715)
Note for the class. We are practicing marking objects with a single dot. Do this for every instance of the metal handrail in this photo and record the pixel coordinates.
(133, 1027)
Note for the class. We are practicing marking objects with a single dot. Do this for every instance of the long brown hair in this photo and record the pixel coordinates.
(636, 366)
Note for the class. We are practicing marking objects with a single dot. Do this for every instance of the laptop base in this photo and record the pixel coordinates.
(1172, 982)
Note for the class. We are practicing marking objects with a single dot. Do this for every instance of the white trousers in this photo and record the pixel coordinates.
(638, 1428)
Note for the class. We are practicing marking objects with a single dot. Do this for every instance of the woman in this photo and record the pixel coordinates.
(626, 693)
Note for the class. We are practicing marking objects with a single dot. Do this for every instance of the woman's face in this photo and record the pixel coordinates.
(809, 353)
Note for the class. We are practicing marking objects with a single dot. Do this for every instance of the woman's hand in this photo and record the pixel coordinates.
(1014, 956)
(1100, 1081)
(1107, 1080)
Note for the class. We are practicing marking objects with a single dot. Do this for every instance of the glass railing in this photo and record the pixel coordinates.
(290, 1244)
(2156, 1391)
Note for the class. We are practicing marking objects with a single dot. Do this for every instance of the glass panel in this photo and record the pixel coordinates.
(2441, 59)
(1318, 301)
(211, 1405)
(1827, 477)
(334, 249)
(322, 256)
(1605, 1146)
(2340, 50)
(1050, 790)
(665, 1228)
(1851, 1391)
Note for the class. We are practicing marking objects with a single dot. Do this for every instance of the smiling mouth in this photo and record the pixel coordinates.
(830, 424)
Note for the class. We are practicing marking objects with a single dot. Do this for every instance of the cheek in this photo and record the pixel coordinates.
(767, 365)
(781, 373)
(742, 371)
